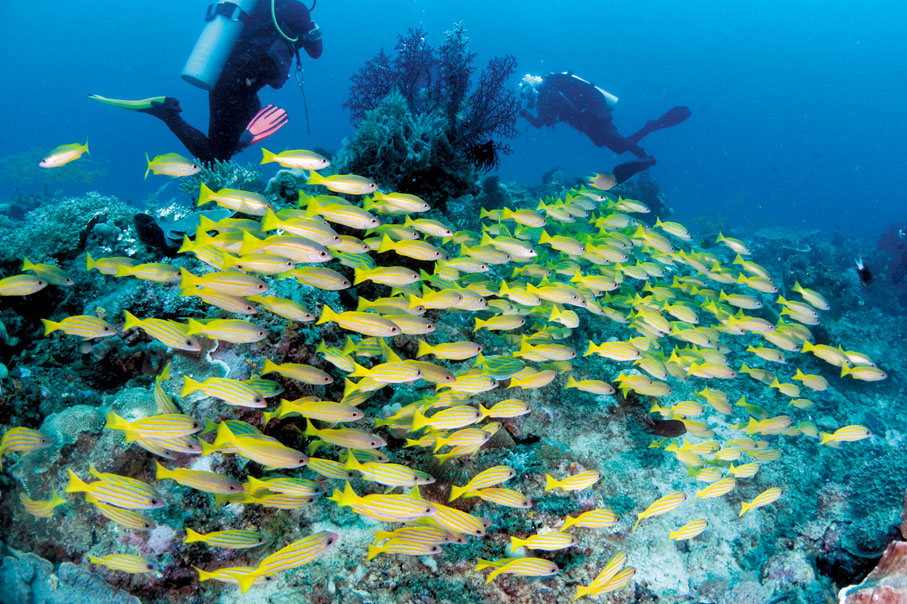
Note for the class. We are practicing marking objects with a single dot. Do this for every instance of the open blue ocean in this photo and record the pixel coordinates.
(433, 352)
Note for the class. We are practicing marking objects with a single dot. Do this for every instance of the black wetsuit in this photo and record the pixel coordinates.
(261, 57)
(563, 97)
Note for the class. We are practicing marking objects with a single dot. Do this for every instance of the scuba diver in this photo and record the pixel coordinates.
(245, 46)
(564, 97)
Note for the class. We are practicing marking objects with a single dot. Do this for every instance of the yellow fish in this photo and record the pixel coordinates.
(171, 164)
(662, 505)
(62, 155)
(845, 434)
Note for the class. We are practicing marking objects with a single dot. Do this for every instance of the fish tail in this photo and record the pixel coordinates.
(352, 463)
(250, 242)
(550, 482)
(327, 314)
(50, 326)
(515, 543)
(845, 370)
(123, 271)
(825, 438)
(207, 449)
(373, 550)
(269, 222)
(419, 421)
(161, 473)
(744, 508)
(359, 276)
(387, 245)
(313, 208)
(246, 580)
(203, 575)
(268, 416)
(568, 522)
(190, 385)
(493, 574)
(315, 178)
(148, 169)
(424, 349)
(583, 590)
(310, 428)
(416, 301)
(479, 324)
(638, 518)
(256, 484)
(545, 238)
(267, 157)
(115, 422)
(76, 484)
(188, 279)
(192, 537)
(205, 194)
(90, 262)
(270, 367)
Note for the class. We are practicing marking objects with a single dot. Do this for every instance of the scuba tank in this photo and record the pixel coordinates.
(225, 20)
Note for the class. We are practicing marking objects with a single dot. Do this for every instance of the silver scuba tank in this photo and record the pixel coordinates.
(224, 22)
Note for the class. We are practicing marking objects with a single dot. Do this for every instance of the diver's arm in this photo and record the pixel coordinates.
(298, 18)
(534, 121)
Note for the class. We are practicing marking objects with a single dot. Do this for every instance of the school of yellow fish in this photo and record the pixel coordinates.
(531, 277)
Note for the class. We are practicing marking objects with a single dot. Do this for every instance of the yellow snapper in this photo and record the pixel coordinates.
(297, 159)
(171, 164)
(62, 155)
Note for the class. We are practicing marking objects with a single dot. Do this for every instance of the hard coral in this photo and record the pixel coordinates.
(454, 130)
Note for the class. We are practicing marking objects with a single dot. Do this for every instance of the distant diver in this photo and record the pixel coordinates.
(245, 45)
(863, 272)
(564, 97)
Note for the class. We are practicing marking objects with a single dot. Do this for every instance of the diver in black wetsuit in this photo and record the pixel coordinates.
(564, 97)
(261, 57)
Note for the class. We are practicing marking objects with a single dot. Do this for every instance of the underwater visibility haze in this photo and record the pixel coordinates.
(444, 302)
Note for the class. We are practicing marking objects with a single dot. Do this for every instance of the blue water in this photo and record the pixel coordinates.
(797, 108)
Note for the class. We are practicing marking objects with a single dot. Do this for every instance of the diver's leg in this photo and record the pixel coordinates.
(231, 109)
(672, 117)
(192, 138)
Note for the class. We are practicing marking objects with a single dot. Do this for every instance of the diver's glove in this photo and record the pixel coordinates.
(165, 110)
(313, 35)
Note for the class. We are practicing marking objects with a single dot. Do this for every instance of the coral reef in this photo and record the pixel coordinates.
(445, 122)
(227, 174)
(833, 520)
(55, 228)
(27, 578)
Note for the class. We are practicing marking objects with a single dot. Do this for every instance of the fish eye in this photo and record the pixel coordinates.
(154, 502)
(261, 333)
(234, 487)
(261, 286)
(188, 342)
(249, 308)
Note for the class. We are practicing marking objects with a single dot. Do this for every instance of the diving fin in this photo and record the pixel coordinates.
(139, 105)
(672, 117)
(628, 170)
(265, 123)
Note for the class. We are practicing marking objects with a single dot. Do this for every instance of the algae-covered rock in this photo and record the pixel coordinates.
(58, 228)
(29, 579)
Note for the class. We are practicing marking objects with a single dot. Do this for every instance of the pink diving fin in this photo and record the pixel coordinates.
(265, 123)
